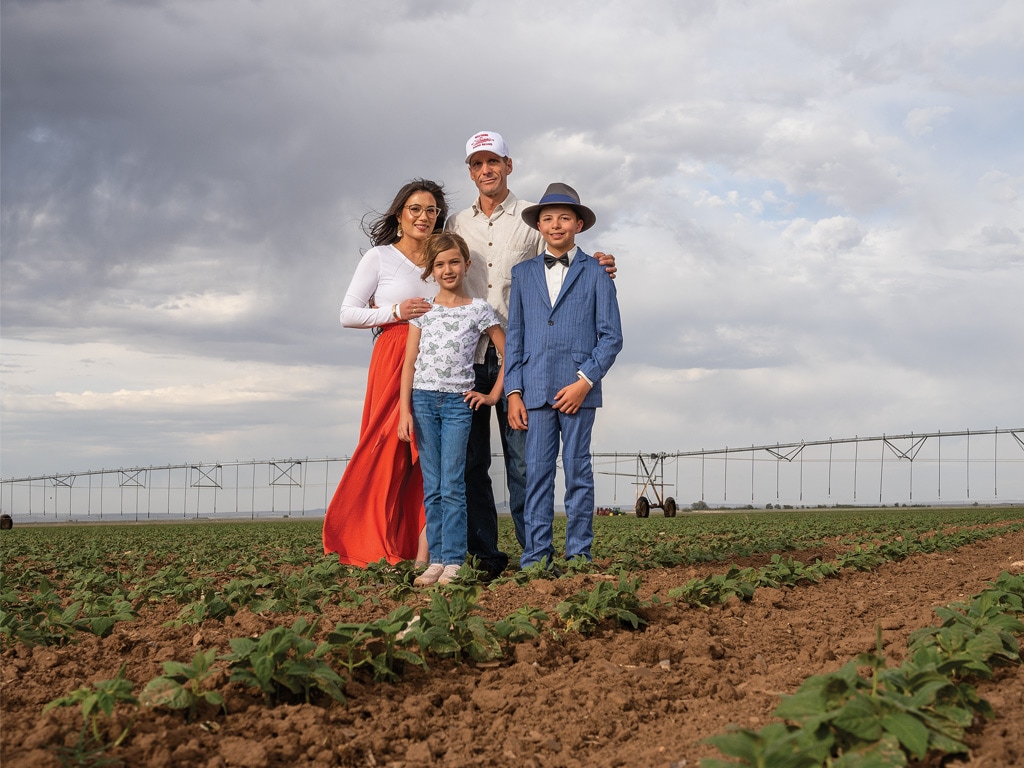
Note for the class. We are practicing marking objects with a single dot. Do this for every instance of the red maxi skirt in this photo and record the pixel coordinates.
(377, 510)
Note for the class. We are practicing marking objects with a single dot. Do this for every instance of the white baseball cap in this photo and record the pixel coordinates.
(487, 141)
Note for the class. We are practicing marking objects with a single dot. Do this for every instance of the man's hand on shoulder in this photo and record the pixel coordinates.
(607, 261)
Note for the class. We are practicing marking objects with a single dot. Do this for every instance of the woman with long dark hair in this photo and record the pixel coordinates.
(377, 510)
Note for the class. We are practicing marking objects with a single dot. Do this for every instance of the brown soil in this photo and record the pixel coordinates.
(617, 698)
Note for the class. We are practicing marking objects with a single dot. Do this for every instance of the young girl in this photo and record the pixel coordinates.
(437, 398)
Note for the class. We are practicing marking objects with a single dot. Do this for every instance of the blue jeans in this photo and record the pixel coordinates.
(442, 421)
(483, 515)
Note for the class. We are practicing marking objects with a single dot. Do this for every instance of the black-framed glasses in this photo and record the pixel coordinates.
(418, 210)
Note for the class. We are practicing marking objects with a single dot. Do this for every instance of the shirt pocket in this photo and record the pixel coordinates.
(525, 249)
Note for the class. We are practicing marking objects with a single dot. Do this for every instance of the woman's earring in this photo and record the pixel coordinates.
(400, 232)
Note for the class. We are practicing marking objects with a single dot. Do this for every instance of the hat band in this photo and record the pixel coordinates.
(556, 198)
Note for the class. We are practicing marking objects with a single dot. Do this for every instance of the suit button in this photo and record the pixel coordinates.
(551, 322)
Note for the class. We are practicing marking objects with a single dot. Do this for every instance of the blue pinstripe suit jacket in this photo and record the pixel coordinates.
(546, 345)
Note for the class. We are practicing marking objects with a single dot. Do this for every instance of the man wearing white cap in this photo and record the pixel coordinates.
(498, 239)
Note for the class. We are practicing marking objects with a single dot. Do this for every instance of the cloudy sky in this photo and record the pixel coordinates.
(816, 209)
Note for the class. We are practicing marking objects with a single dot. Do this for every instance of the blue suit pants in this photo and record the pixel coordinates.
(547, 427)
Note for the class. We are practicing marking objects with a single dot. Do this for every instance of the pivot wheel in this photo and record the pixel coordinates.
(643, 507)
(670, 507)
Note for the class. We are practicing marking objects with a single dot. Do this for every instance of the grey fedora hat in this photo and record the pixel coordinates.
(560, 194)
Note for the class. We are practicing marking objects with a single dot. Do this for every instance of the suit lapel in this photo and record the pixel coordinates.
(539, 276)
(576, 268)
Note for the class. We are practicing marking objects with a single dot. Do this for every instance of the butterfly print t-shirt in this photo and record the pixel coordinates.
(448, 338)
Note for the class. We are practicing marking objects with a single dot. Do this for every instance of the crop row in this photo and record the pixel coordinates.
(79, 555)
(286, 664)
(47, 602)
(845, 718)
(73, 553)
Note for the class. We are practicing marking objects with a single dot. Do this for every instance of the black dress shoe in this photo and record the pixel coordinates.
(488, 570)
(488, 575)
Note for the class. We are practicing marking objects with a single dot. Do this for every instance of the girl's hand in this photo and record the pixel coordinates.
(405, 427)
(476, 399)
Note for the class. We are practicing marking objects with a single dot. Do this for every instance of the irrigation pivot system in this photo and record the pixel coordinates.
(970, 466)
(834, 470)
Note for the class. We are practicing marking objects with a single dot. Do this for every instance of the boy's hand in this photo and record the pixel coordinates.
(607, 261)
(570, 398)
(405, 427)
(517, 417)
(476, 399)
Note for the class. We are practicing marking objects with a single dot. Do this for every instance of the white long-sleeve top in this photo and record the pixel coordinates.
(385, 275)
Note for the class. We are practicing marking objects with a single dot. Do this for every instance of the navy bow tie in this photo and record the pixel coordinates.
(550, 261)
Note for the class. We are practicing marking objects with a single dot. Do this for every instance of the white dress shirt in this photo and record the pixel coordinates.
(555, 275)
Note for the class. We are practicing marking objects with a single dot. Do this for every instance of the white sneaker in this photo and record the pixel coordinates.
(451, 572)
(429, 576)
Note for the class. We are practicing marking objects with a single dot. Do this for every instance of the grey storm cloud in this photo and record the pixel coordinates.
(814, 207)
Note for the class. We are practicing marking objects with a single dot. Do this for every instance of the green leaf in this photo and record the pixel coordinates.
(860, 717)
(807, 701)
(177, 669)
(165, 692)
(884, 753)
(774, 746)
(989, 643)
(71, 612)
(101, 625)
(910, 731)
(242, 647)
(263, 667)
(926, 693)
(213, 697)
(744, 744)
(943, 743)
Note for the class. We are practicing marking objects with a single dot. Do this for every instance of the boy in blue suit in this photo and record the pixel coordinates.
(563, 335)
